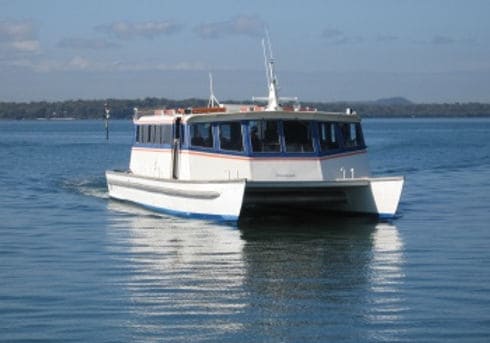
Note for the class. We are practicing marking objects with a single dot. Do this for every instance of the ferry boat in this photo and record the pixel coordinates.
(221, 161)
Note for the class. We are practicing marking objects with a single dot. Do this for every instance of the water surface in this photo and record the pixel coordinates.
(76, 266)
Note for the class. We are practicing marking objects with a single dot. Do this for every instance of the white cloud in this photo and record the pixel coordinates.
(46, 65)
(331, 34)
(386, 38)
(148, 66)
(14, 30)
(86, 44)
(240, 25)
(26, 46)
(18, 37)
(80, 63)
(337, 37)
(442, 40)
(147, 29)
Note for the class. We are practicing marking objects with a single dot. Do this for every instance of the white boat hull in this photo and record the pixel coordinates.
(377, 196)
(225, 200)
(207, 200)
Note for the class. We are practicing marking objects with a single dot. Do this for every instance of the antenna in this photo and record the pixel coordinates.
(265, 62)
(273, 98)
(272, 83)
(269, 45)
(212, 99)
(272, 76)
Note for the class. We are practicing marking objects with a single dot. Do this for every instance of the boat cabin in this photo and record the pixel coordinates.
(254, 145)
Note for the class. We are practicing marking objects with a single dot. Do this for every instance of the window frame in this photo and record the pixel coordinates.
(334, 129)
(309, 130)
(242, 149)
(358, 140)
(279, 137)
(211, 132)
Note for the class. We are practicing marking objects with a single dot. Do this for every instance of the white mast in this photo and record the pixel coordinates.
(273, 97)
(213, 102)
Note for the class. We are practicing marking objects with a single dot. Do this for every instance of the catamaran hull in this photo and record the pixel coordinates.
(207, 200)
(376, 196)
(226, 200)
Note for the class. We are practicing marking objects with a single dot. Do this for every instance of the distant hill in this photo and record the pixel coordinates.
(395, 101)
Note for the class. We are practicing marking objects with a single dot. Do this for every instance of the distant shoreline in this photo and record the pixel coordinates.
(123, 109)
(71, 119)
(362, 116)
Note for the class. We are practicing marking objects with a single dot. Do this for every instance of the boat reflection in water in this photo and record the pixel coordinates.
(185, 277)
(274, 278)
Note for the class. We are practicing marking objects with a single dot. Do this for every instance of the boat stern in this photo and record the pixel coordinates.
(386, 193)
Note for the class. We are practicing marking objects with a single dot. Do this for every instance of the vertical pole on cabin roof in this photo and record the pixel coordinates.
(106, 117)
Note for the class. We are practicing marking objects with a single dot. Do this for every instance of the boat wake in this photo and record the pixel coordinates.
(93, 187)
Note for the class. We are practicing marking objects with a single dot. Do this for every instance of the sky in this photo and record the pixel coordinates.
(325, 50)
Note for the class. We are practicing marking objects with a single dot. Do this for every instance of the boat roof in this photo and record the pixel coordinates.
(169, 116)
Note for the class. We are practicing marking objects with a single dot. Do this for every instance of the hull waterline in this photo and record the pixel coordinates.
(226, 200)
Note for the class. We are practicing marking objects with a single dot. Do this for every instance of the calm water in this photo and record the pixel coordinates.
(76, 266)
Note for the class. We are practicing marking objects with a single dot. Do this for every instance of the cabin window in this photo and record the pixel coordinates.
(143, 134)
(157, 134)
(179, 131)
(328, 136)
(154, 134)
(297, 136)
(230, 136)
(149, 134)
(351, 135)
(142, 130)
(264, 136)
(201, 135)
(166, 134)
(137, 138)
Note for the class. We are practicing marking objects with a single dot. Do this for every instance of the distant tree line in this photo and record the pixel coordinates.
(87, 109)
(123, 109)
(373, 109)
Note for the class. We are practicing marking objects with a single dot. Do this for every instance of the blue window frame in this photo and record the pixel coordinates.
(328, 136)
(201, 135)
(298, 136)
(265, 136)
(351, 136)
(154, 134)
(230, 136)
(269, 137)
